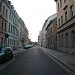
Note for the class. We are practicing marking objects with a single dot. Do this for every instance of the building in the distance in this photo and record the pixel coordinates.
(51, 34)
(39, 39)
(66, 25)
(44, 35)
(24, 40)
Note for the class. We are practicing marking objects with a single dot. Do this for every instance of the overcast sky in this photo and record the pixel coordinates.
(34, 13)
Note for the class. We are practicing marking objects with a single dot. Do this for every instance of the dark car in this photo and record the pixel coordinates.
(6, 53)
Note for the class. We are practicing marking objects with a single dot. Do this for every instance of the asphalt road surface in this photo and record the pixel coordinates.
(32, 62)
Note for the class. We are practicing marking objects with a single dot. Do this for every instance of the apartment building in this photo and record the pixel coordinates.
(24, 40)
(43, 37)
(66, 25)
(13, 27)
(51, 34)
(10, 26)
(3, 22)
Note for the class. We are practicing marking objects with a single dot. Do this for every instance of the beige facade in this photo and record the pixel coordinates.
(66, 25)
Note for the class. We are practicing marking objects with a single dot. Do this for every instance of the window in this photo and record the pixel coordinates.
(10, 15)
(65, 16)
(59, 41)
(9, 27)
(6, 12)
(4, 41)
(64, 1)
(62, 40)
(61, 20)
(5, 27)
(73, 38)
(14, 42)
(67, 40)
(0, 6)
(50, 30)
(58, 6)
(1, 40)
(3, 9)
(13, 30)
(71, 11)
(60, 3)
(2, 24)
(8, 42)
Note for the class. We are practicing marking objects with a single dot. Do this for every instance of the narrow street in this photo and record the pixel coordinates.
(32, 62)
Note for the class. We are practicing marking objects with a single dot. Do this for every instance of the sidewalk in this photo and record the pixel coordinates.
(17, 51)
(66, 59)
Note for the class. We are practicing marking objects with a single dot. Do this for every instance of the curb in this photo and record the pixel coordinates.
(67, 66)
(63, 63)
(18, 52)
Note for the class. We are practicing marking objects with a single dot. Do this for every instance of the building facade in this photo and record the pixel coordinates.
(24, 40)
(11, 27)
(39, 39)
(3, 22)
(66, 25)
(43, 36)
(51, 34)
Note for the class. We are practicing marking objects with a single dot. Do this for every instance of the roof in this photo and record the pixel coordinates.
(49, 19)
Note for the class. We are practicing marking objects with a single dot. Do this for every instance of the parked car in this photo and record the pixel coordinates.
(28, 46)
(6, 53)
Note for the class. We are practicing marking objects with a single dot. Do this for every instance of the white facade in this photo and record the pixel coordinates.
(17, 30)
(13, 28)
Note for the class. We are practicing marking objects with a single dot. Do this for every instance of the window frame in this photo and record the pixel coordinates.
(66, 16)
(71, 11)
